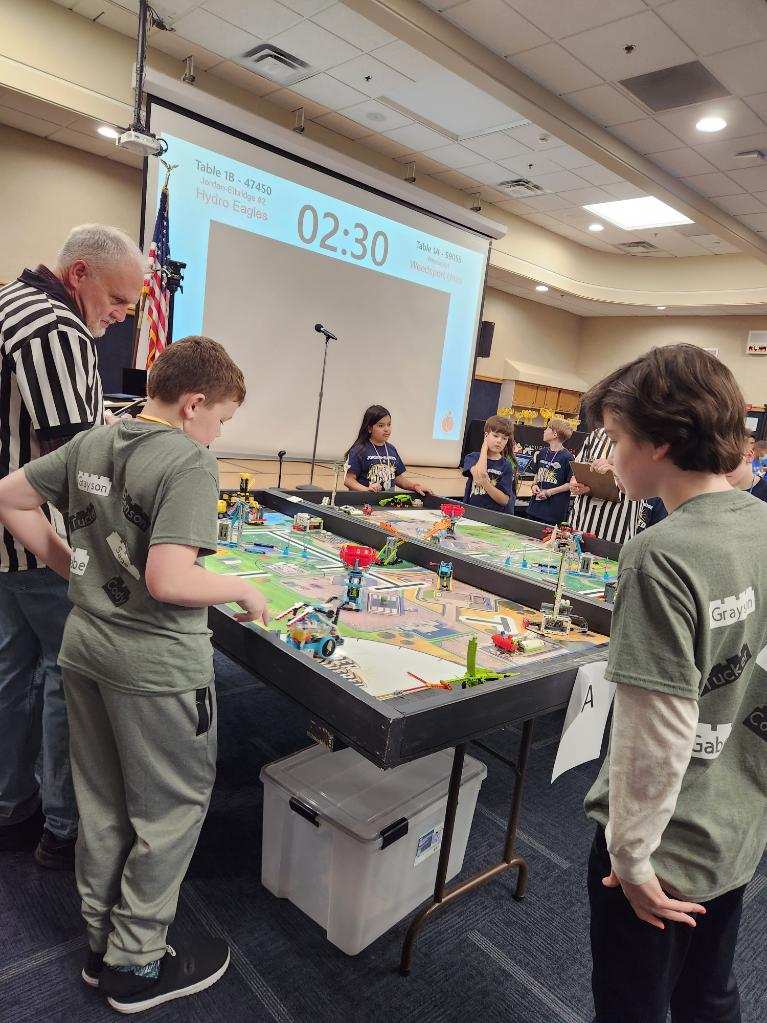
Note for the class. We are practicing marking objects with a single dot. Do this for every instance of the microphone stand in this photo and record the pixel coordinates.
(280, 455)
(311, 485)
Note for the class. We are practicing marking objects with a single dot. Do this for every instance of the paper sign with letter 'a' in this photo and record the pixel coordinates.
(585, 719)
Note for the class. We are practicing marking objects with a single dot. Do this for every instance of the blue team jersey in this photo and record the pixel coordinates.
(501, 473)
(759, 489)
(651, 511)
(372, 463)
(552, 469)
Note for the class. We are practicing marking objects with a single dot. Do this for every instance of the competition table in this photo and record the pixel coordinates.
(375, 693)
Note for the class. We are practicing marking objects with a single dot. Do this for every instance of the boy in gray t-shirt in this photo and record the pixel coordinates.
(140, 505)
(681, 800)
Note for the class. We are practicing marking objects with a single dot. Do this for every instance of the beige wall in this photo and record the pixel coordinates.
(47, 188)
(609, 341)
(529, 331)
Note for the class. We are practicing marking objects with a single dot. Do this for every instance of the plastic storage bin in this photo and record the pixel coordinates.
(356, 848)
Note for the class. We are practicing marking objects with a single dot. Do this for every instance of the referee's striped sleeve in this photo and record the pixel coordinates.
(57, 375)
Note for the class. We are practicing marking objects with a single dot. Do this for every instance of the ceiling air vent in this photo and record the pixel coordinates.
(638, 247)
(679, 86)
(278, 65)
(522, 184)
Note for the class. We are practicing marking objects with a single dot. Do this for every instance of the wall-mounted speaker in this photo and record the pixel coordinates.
(485, 343)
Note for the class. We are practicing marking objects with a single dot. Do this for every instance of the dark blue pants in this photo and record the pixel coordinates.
(640, 972)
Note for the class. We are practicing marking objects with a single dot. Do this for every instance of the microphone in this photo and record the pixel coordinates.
(281, 454)
(323, 330)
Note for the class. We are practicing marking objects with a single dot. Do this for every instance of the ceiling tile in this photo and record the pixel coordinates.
(170, 9)
(531, 165)
(28, 123)
(263, 19)
(342, 125)
(513, 206)
(754, 179)
(329, 91)
(563, 19)
(678, 245)
(488, 173)
(711, 27)
(569, 158)
(289, 100)
(742, 70)
(493, 23)
(315, 45)
(236, 74)
(759, 104)
(681, 162)
(407, 60)
(386, 146)
(741, 120)
(179, 47)
(534, 137)
(723, 154)
(560, 181)
(423, 165)
(370, 76)
(713, 184)
(596, 174)
(737, 204)
(456, 180)
(547, 203)
(657, 47)
(352, 27)
(624, 190)
(376, 116)
(495, 146)
(555, 68)
(453, 156)
(646, 136)
(583, 196)
(306, 8)
(757, 221)
(418, 137)
(606, 104)
(215, 34)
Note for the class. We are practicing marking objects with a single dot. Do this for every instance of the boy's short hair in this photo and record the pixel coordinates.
(681, 396)
(562, 429)
(499, 424)
(196, 365)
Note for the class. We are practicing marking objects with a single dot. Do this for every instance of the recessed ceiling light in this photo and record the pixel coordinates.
(108, 131)
(660, 307)
(710, 124)
(596, 227)
(541, 287)
(638, 214)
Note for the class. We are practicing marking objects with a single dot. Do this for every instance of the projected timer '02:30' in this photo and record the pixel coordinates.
(354, 239)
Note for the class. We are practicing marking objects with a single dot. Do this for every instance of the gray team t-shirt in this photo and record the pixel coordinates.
(121, 489)
(690, 620)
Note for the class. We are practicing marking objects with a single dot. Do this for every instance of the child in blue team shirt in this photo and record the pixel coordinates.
(490, 472)
(374, 463)
(550, 501)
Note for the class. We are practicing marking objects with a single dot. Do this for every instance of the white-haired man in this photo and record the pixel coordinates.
(49, 391)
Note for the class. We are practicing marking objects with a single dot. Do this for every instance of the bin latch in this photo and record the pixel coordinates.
(393, 832)
(304, 811)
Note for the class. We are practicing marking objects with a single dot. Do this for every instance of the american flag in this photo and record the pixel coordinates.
(155, 283)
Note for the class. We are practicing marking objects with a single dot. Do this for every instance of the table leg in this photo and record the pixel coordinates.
(443, 895)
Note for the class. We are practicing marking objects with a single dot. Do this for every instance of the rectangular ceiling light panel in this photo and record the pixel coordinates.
(638, 214)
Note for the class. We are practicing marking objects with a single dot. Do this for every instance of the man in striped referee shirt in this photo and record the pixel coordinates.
(49, 390)
(615, 521)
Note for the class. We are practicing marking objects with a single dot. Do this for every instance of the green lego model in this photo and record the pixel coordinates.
(474, 676)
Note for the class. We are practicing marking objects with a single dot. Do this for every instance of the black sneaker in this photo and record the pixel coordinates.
(93, 968)
(23, 835)
(181, 973)
(55, 853)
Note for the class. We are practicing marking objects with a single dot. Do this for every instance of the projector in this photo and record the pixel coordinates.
(141, 142)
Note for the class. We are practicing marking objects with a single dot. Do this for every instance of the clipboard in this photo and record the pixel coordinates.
(602, 484)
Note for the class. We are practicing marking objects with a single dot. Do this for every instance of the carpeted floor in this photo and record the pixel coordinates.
(489, 958)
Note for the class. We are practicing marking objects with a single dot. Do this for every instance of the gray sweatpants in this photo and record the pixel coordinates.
(143, 768)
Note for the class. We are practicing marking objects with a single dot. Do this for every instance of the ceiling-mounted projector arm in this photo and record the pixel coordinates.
(138, 139)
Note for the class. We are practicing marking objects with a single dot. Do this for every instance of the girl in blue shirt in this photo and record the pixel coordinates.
(374, 463)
